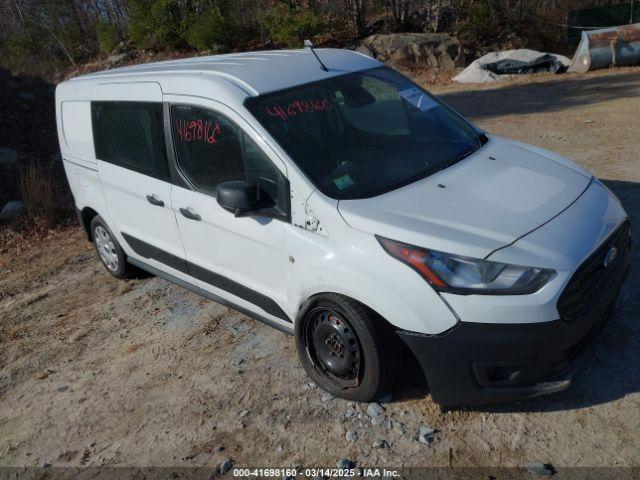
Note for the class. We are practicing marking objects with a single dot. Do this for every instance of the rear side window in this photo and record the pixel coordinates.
(76, 129)
(131, 135)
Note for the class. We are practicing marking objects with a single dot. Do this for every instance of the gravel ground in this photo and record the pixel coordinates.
(96, 371)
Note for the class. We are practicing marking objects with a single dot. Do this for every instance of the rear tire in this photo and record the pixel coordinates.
(344, 348)
(109, 250)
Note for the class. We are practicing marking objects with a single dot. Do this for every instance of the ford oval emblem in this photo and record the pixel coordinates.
(610, 256)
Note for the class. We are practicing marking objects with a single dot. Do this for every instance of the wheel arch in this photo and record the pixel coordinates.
(404, 361)
(311, 301)
(85, 216)
(402, 301)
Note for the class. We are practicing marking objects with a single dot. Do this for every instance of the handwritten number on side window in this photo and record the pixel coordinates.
(198, 130)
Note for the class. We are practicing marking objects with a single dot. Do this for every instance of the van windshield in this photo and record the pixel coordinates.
(362, 134)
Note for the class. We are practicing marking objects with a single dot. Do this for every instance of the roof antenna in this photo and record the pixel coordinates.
(309, 44)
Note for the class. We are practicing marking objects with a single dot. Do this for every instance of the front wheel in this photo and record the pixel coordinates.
(343, 348)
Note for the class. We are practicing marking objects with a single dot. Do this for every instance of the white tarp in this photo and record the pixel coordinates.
(475, 74)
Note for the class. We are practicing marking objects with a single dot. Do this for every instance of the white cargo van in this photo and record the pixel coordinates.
(332, 198)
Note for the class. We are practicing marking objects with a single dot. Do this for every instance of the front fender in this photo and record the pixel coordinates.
(369, 275)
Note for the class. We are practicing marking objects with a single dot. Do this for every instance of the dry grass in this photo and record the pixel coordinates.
(43, 193)
(23, 235)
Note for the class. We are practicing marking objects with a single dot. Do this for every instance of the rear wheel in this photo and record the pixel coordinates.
(111, 254)
(343, 348)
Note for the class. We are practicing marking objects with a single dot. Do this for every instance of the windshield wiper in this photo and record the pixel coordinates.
(466, 152)
(456, 158)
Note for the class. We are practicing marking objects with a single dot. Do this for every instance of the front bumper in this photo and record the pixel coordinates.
(479, 363)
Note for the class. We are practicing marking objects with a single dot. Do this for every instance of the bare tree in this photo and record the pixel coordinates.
(360, 9)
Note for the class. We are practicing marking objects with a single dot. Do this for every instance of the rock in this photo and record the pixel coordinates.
(414, 50)
(225, 466)
(350, 413)
(8, 155)
(380, 444)
(13, 209)
(117, 58)
(238, 361)
(374, 410)
(377, 421)
(326, 396)
(345, 464)
(63, 388)
(27, 96)
(543, 469)
(352, 436)
(243, 413)
(387, 424)
(426, 435)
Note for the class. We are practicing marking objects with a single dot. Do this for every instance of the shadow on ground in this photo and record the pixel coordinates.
(543, 97)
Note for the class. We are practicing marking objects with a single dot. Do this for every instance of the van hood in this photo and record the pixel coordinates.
(482, 203)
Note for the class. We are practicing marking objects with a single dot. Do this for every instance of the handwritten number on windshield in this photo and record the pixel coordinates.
(298, 107)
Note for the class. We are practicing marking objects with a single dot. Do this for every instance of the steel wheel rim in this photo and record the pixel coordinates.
(333, 348)
(106, 248)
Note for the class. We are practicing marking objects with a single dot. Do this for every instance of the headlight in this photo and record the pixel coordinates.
(457, 274)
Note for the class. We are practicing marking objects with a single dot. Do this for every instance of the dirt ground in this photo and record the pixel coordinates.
(97, 371)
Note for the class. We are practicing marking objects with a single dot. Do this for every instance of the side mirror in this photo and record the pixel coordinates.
(236, 197)
(240, 198)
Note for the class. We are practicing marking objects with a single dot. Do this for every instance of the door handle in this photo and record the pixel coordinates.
(153, 200)
(190, 214)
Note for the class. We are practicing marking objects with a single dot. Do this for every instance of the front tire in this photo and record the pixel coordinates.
(343, 348)
(109, 250)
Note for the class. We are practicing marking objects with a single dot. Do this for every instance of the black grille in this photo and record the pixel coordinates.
(592, 278)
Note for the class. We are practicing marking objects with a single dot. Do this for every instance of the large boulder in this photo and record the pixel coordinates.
(8, 156)
(414, 50)
(13, 209)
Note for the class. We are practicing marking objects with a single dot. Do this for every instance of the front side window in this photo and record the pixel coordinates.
(211, 150)
(131, 135)
(365, 133)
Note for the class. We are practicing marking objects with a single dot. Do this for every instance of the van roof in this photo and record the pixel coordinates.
(254, 72)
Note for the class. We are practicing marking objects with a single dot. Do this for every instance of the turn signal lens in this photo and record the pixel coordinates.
(415, 257)
(465, 275)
